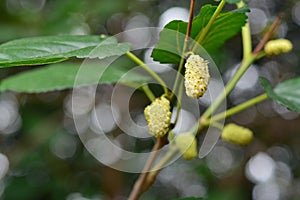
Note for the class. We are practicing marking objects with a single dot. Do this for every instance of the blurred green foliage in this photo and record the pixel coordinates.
(36, 173)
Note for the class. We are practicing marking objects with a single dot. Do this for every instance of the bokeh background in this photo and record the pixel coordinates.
(42, 157)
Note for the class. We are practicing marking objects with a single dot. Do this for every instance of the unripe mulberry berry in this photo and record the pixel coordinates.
(158, 116)
(196, 76)
(279, 46)
(237, 134)
(187, 145)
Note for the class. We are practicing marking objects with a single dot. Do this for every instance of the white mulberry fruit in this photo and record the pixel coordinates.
(158, 116)
(196, 76)
(237, 134)
(187, 145)
(279, 46)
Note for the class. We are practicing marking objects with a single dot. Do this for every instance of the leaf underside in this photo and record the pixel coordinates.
(286, 93)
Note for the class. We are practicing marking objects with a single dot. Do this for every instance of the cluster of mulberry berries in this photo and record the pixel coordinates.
(196, 76)
(158, 116)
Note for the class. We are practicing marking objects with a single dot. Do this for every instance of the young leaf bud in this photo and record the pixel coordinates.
(196, 76)
(158, 116)
(187, 145)
(237, 134)
(279, 46)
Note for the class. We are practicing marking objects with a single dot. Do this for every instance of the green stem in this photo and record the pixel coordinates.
(246, 63)
(228, 88)
(238, 108)
(260, 54)
(148, 92)
(148, 69)
(217, 125)
(179, 68)
(247, 44)
(179, 98)
(200, 38)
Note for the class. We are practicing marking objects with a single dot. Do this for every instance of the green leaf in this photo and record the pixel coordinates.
(243, 9)
(226, 25)
(52, 49)
(286, 93)
(234, 1)
(68, 75)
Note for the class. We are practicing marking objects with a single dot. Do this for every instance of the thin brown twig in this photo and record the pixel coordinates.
(159, 166)
(185, 45)
(269, 34)
(189, 28)
(138, 188)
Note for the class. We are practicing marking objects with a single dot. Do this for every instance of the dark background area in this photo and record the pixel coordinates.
(48, 161)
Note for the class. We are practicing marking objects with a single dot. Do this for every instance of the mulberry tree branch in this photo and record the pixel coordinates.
(138, 187)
